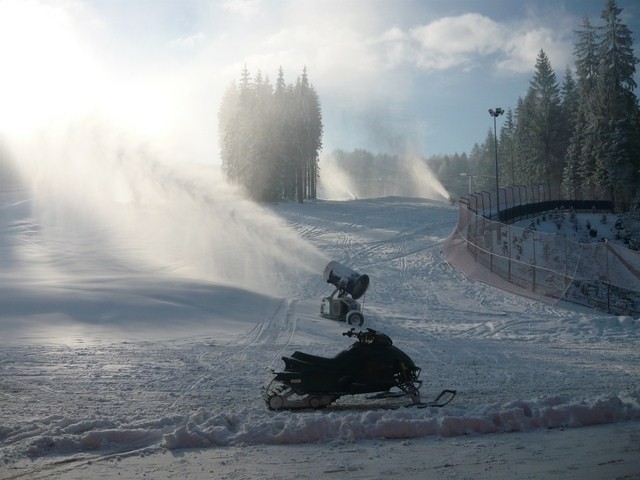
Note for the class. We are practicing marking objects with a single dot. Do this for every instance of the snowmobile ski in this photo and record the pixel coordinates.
(443, 399)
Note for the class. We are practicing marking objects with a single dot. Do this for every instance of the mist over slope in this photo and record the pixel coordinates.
(162, 216)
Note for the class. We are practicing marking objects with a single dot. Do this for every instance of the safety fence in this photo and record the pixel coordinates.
(546, 266)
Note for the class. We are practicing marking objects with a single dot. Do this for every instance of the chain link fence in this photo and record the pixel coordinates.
(546, 266)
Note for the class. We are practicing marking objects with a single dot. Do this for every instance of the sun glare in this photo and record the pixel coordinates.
(50, 74)
(46, 71)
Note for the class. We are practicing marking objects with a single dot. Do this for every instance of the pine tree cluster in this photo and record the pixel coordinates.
(583, 136)
(271, 137)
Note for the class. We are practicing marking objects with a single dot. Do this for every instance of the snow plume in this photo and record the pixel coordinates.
(91, 181)
(335, 183)
(423, 181)
(409, 176)
(395, 169)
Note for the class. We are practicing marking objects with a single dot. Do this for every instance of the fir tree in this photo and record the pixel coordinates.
(486, 163)
(615, 106)
(578, 176)
(270, 137)
(545, 124)
(506, 149)
(527, 153)
(570, 104)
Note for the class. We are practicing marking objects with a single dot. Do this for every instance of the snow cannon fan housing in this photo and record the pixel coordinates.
(345, 279)
(339, 305)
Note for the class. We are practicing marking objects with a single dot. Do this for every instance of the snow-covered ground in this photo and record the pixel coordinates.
(137, 348)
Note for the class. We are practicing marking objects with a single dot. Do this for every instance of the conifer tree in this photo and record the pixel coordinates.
(545, 124)
(615, 106)
(506, 149)
(570, 104)
(582, 151)
(228, 128)
(485, 162)
(270, 137)
(526, 153)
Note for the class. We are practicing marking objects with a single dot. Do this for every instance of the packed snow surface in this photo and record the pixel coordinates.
(108, 352)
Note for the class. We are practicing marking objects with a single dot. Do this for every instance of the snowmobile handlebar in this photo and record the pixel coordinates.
(351, 333)
(369, 337)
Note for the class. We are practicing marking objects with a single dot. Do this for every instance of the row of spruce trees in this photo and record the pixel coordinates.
(271, 136)
(582, 136)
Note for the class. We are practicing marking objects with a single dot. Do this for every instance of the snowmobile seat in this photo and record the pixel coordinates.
(338, 362)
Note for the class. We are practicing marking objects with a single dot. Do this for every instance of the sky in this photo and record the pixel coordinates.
(391, 75)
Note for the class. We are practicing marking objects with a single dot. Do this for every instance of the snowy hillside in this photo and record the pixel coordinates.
(119, 341)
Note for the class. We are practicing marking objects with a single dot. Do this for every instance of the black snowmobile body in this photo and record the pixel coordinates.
(371, 365)
(362, 368)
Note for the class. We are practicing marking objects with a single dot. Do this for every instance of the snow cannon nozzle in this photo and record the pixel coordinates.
(345, 279)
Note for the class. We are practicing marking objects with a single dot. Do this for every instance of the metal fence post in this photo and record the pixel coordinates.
(606, 267)
(509, 251)
(533, 252)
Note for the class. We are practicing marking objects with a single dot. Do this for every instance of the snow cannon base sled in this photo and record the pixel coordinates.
(341, 305)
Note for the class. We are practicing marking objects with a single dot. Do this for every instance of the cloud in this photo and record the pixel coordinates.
(521, 49)
(338, 57)
(470, 40)
(188, 41)
(242, 7)
(455, 41)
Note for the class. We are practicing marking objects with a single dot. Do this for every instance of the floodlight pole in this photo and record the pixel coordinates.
(495, 113)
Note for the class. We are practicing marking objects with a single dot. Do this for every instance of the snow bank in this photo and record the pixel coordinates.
(207, 428)
(204, 429)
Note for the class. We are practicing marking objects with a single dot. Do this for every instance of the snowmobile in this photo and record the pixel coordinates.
(370, 365)
(349, 286)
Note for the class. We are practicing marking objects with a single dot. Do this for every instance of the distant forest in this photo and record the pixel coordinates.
(271, 137)
(583, 135)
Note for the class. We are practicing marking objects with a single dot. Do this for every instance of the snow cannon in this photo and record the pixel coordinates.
(341, 305)
(343, 278)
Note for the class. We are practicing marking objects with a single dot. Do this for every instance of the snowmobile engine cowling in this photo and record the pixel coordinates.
(344, 278)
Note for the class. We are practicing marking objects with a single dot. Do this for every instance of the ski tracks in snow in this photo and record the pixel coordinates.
(132, 401)
(498, 350)
(230, 365)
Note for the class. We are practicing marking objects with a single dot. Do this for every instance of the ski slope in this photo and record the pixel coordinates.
(116, 362)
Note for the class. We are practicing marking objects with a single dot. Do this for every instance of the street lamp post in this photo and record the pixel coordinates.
(495, 113)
